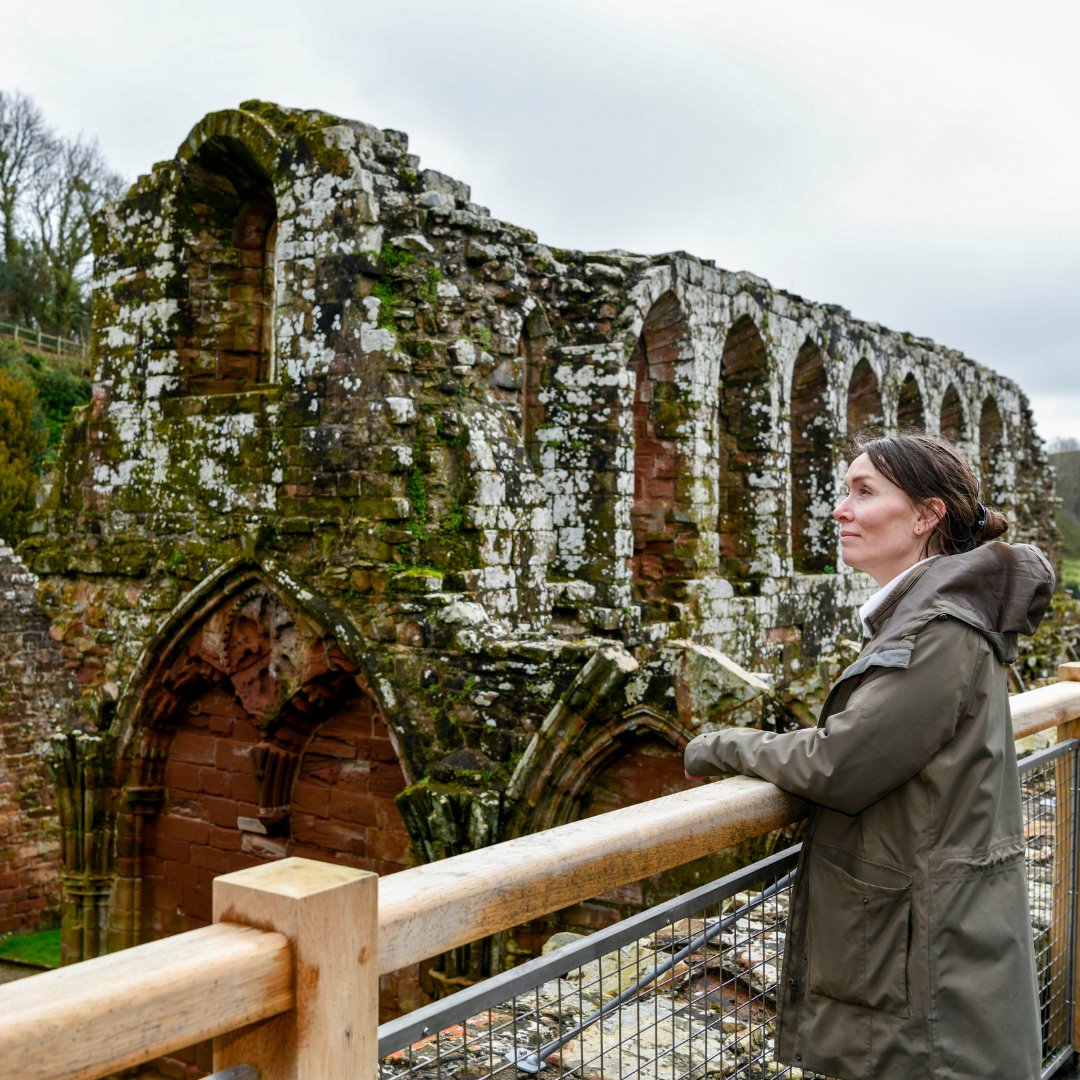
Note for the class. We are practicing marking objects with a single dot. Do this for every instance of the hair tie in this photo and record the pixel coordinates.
(980, 520)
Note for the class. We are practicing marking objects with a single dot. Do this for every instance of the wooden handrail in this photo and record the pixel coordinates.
(120, 1010)
(429, 909)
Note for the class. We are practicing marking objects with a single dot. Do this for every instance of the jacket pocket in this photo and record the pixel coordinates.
(859, 925)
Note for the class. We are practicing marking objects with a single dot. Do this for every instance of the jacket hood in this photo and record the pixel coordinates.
(1000, 589)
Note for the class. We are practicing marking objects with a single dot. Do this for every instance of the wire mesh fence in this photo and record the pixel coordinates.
(689, 988)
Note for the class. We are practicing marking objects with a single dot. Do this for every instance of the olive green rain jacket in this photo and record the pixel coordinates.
(909, 948)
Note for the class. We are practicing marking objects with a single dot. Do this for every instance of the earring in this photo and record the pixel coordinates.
(918, 530)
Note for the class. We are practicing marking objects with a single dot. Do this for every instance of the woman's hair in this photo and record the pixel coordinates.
(926, 467)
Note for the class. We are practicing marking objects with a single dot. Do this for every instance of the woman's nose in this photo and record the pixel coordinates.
(841, 510)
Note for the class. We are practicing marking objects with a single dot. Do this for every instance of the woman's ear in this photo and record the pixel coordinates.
(930, 513)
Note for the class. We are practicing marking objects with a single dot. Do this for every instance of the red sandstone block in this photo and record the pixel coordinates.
(332, 745)
(210, 858)
(352, 807)
(311, 798)
(170, 848)
(393, 847)
(195, 748)
(332, 836)
(220, 811)
(216, 782)
(180, 776)
(245, 787)
(181, 873)
(225, 839)
(231, 756)
(179, 827)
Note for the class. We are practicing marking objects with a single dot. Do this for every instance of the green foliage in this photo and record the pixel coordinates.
(482, 334)
(41, 949)
(430, 289)
(58, 393)
(416, 493)
(22, 443)
(388, 298)
(1070, 576)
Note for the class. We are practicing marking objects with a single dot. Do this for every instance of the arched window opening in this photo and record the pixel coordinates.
(532, 354)
(991, 444)
(864, 399)
(953, 421)
(910, 413)
(226, 340)
(663, 545)
(813, 538)
(745, 438)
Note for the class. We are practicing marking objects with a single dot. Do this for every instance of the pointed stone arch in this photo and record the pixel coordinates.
(226, 217)
(745, 441)
(910, 412)
(813, 451)
(991, 449)
(534, 348)
(250, 731)
(953, 419)
(863, 399)
(663, 535)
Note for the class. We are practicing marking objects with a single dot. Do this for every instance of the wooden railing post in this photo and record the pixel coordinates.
(330, 915)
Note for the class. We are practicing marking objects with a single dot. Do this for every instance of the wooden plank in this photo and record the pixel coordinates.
(429, 909)
(329, 914)
(116, 1011)
(1045, 707)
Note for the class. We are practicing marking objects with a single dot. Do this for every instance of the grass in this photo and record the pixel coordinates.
(41, 949)
(1070, 573)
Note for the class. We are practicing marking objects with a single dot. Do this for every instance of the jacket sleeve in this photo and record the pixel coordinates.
(893, 724)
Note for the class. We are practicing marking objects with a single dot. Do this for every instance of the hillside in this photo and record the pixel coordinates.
(1067, 465)
(37, 394)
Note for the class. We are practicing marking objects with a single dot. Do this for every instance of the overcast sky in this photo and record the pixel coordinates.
(917, 163)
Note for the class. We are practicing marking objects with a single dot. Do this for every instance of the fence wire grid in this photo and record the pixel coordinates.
(689, 988)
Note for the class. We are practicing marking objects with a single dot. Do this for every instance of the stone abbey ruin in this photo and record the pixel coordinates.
(391, 532)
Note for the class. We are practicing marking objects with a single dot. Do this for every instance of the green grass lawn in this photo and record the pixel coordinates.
(42, 948)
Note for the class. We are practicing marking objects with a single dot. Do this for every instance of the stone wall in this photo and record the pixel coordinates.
(35, 696)
(388, 522)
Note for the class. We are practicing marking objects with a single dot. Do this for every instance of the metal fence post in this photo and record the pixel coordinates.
(1066, 884)
(330, 915)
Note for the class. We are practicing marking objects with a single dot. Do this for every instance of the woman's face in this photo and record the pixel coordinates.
(881, 532)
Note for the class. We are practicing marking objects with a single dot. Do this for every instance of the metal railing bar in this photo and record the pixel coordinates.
(1074, 856)
(236, 1072)
(1057, 1063)
(1041, 757)
(532, 1063)
(407, 1029)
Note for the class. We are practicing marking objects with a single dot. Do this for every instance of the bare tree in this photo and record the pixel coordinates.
(50, 190)
(65, 197)
(25, 148)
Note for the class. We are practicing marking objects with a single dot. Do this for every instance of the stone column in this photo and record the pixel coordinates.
(80, 765)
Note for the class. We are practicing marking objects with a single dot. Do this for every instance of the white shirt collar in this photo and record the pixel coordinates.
(878, 599)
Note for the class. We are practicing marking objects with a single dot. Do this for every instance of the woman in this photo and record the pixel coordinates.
(909, 945)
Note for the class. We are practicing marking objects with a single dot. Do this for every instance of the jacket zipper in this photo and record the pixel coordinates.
(800, 904)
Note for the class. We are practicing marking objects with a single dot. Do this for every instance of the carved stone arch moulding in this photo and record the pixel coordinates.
(280, 650)
(239, 126)
(589, 727)
(244, 682)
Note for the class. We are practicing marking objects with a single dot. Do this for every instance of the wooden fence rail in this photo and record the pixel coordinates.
(52, 343)
(287, 978)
